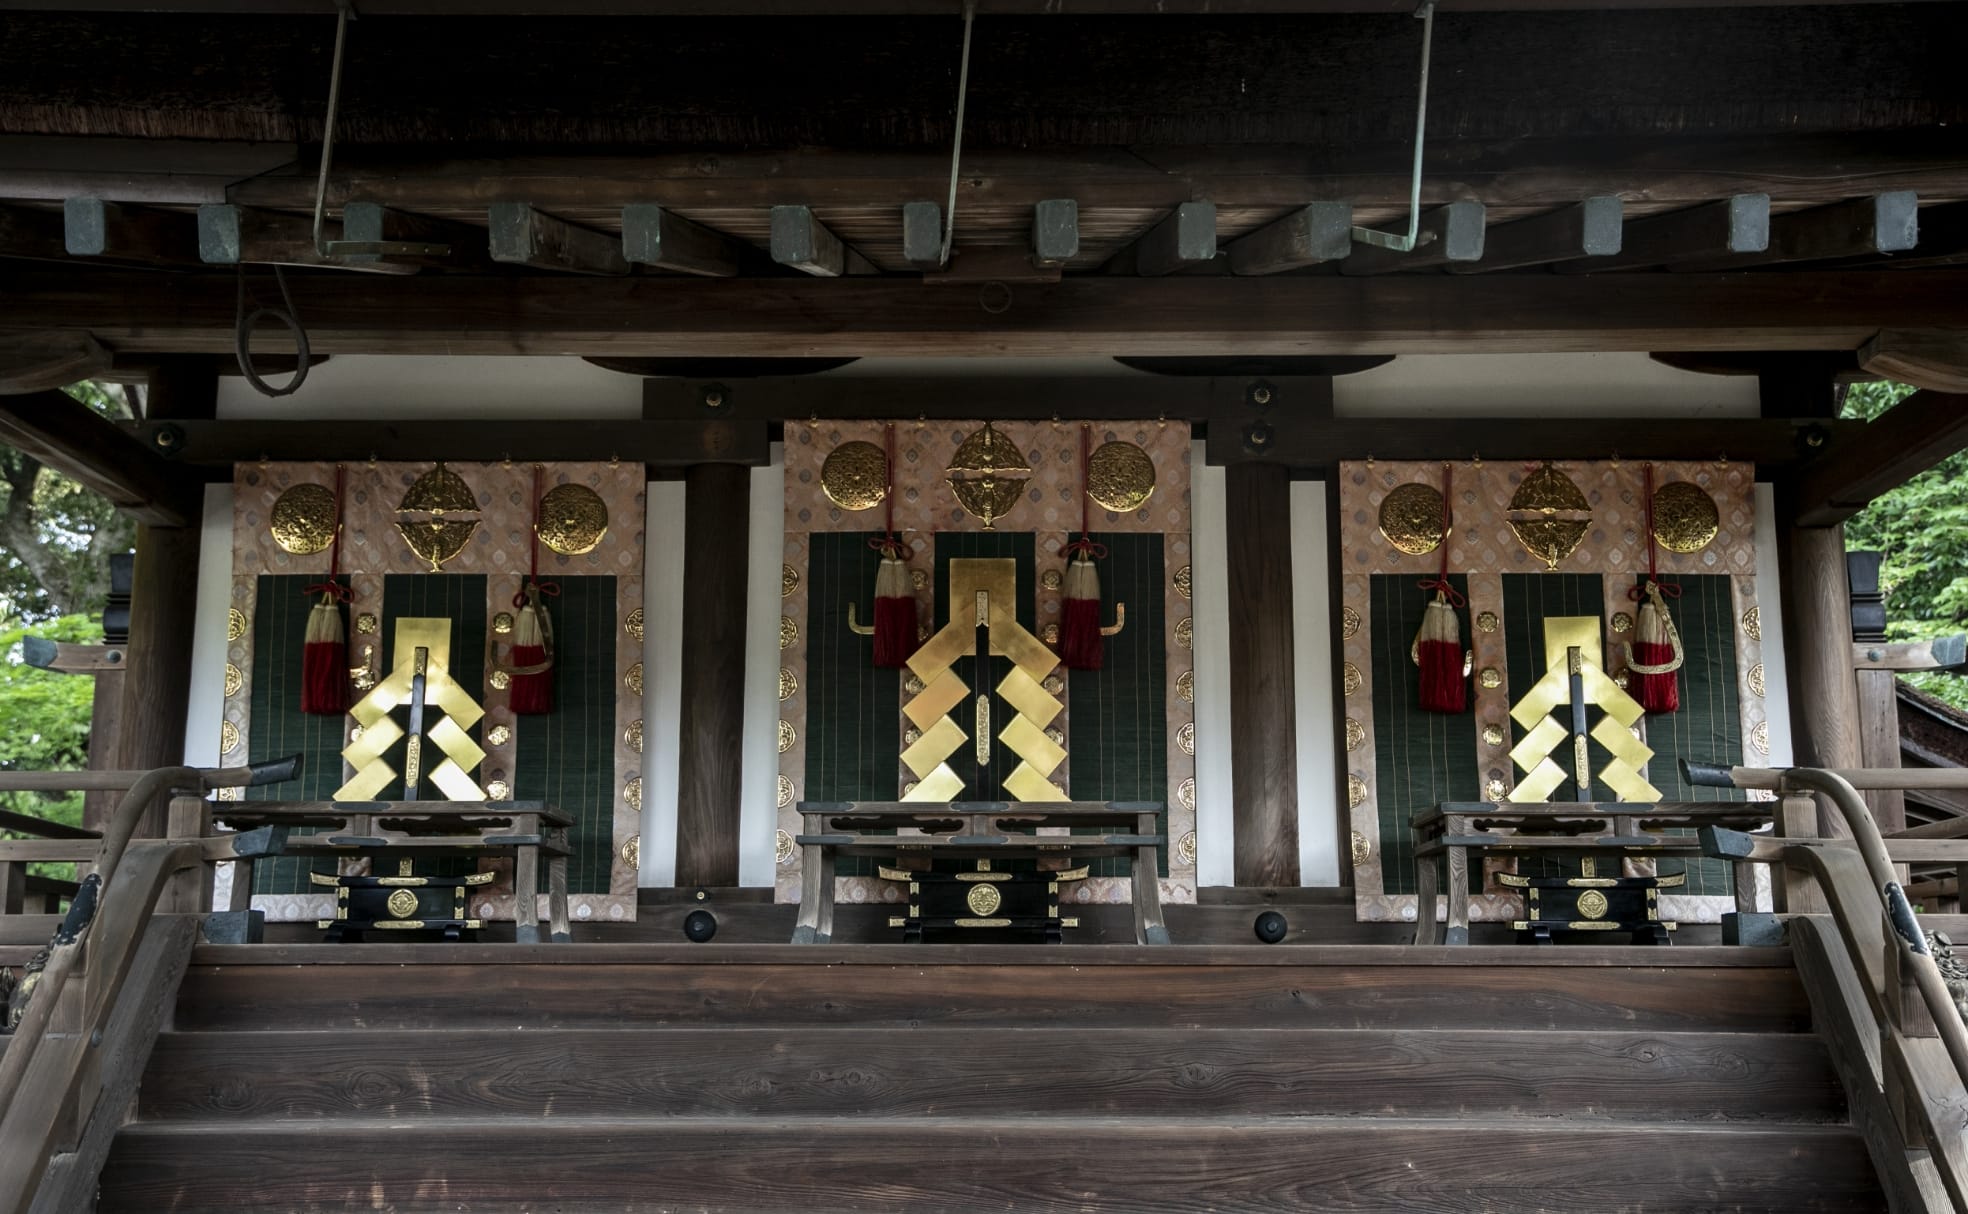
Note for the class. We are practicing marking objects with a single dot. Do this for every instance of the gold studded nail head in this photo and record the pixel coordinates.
(912, 685)
(1185, 687)
(1185, 793)
(1622, 621)
(498, 790)
(1753, 623)
(235, 624)
(1185, 737)
(1349, 623)
(498, 735)
(500, 680)
(632, 792)
(1050, 634)
(919, 578)
(632, 735)
(1496, 790)
(789, 581)
(1356, 734)
(633, 679)
(632, 852)
(633, 625)
(788, 736)
(789, 632)
(1185, 849)
(786, 791)
(1051, 579)
(1183, 584)
(1759, 737)
(1492, 735)
(1487, 621)
(502, 623)
(1054, 684)
(782, 848)
(789, 684)
(1362, 849)
(1185, 632)
(1756, 679)
(234, 679)
(1350, 679)
(1490, 677)
(228, 737)
(1356, 791)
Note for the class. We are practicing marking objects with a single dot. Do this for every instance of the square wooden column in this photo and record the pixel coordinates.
(716, 539)
(1263, 710)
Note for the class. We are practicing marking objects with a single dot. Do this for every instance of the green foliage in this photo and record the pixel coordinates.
(1922, 527)
(44, 721)
(56, 536)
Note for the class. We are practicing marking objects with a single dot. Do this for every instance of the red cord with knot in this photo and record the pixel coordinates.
(895, 597)
(324, 649)
(1655, 653)
(531, 691)
(1438, 645)
(1080, 644)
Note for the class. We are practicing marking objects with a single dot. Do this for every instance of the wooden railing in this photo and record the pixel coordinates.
(70, 1069)
(1878, 998)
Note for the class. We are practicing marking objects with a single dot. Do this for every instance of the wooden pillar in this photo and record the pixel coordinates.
(716, 530)
(1824, 694)
(1263, 717)
(1879, 701)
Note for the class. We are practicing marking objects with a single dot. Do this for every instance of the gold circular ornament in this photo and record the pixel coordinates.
(497, 790)
(1349, 623)
(788, 632)
(1356, 791)
(1490, 677)
(1051, 579)
(1685, 517)
(303, 519)
(1362, 849)
(1185, 849)
(633, 678)
(1185, 794)
(1756, 678)
(1185, 632)
(1356, 734)
(573, 518)
(1184, 584)
(908, 787)
(498, 735)
(1592, 904)
(1622, 621)
(1350, 679)
(1120, 476)
(632, 852)
(402, 904)
(235, 623)
(782, 848)
(1411, 518)
(911, 736)
(1054, 684)
(632, 624)
(1753, 623)
(786, 791)
(1487, 621)
(1492, 735)
(1185, 737)
(1549, 514)
(1050, 634)
(912, 685)
(983, 898)
(1759, 737)
(234, 680)
(365, 623)
(788, 736)
(855, 476)
(632, 792)
(228, 737)
(502, 623)
(1185, 687)
(500, 680)
(632, 735)
(789, 684)
(789, 581)
(1496, 790)
(919, 578)
(1056, 736)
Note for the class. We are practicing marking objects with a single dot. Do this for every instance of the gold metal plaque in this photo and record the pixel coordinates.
(235, 623)
(788, 736)
(1622, 621)
(632, 852)
(789, 684)
(1356, 791)
(303, 519)
(402, 903)
(987, 475)
(502, 623)
(1362, 849)
(1486, 621)
(228, 737)
(785, 791)
(1492, 735)
(1120, 476)
(783, 850)
(1756, 679)
(1549, 514)
(788, 632)
(1185, 737)
(1592, 904)
(498, 735)
(855, 476)
(1051, 579)
(632, 792)
(1349, 623)
(1490, 677)
(1685, 517)
(1350, 679)
(983, 898)
(1185, 687)
(437, 539)
(1753, 623)
(1185, 794)
(438, 491)
(1185, 849)
(573, 519)
(1411, 518)
(1185, 632)
(633, 679)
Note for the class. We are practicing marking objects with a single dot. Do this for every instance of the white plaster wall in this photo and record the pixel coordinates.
(1312, 681)
(206, 709)
(430, 386)
(758, 804)
(1540, 385)
(662, 685)
(1776, 672)
(1210, 584)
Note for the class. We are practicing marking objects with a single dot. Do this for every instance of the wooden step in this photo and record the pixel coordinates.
(787, 1072)
(1139, 1165)
(410, 986)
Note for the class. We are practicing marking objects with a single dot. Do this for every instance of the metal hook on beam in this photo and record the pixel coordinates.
(1387, 240)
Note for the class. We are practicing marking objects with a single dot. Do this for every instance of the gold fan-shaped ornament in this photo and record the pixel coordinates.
(437, 493)
(988, 475)
(1549, 515)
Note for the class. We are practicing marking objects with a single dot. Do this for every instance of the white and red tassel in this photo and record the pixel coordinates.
(531, 691)
(324, 659)
(1438, 651)
(1080, 646)
(895, 610)
(1655, 655)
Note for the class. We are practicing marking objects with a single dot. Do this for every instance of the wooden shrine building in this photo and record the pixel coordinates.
(991, 604)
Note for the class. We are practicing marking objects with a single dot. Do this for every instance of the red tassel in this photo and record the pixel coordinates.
(1080, 646)
(1438, 651)
(532, 690)
(1654, 657)
(895, 613)
(324, 661)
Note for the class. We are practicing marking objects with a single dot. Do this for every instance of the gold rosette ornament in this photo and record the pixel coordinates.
(437, 494)
(1549, 515)
(988, 474)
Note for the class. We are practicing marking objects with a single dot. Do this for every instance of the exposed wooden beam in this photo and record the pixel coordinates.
(1935, 653)
(1055, 231)
(1887, 452)
(1857, 227)
(1925, 358)
(1588, 230)
(1186, 237)
(997, 397)
(523, 235)
(654, 235)
(1308, 442)
(466, 245)
(232, 235)
(802, 242)
(660, 443)
(1842, 365)
(1314, 233)
(140, 235)
(37, 362)
(1735, 225)
(133, 312)
(28, 232)
(922, 235)
(80, 443)
(1451, 233)
(1943, 239)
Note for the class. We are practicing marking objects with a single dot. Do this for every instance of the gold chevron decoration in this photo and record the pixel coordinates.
(1545, 734)
(379, 733)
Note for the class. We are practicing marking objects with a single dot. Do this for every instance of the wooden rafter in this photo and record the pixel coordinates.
(656, 443)
(67, 435)
(1589, 230)
(522, 234)
(1858, 227)
(1900, 444)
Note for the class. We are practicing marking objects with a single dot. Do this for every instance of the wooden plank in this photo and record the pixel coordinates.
(1824, 694)
(801, 241)
(1737, 225)
(157, 679)
(1000, 398)
(1186, 237)
(1315, 233)
(1857, 227)
(64, 658)
(1936, 359)
(138, 235)
(657, 236)
(1310, 442)
(1200, 315)
(1879, 743)
(656, 443)
(712, 673)
(1451, 233)
(1263, 709)
(1588, 230)
(1897, 446)
(78, 442)
(27, 824)
(41, 362)
(523, 235)
(229, 235)
(1936, 653)
(1055, 231)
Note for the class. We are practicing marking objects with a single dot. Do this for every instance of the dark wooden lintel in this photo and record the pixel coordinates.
(522, 234)
(1589, 230)
(73, 439)
(659, 443)
(1858, 227)
(1731, 226)
(120, 232)
(1309, 443)
(1900, 444)
(233, 235)
(999, 398)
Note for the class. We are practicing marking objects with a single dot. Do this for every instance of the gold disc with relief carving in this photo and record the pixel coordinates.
(855, 476)
(303, 519)
(573, 519)
(1411, 518)
(1120, 476)
(1685, 517)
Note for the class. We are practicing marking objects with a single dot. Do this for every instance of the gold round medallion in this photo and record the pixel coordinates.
(498, 735)
(573, 518)
(788, 632)
(1185, 687)
(1349, 623)
(1592, 904)
(913, 686)
(919, 578)
(782, 848)
(1486, 621)
(303, 519)
(1050, 634)
(632, 735)
(1051, 579)
(1054, 685)
(1185, 794)
(402, 904)
(1622, 622)
(1356, 734)
(1490, 677)
(228, 737)
(1756, 678)
(500, 680)
(502, 623)
(1759, 737)
(1185, 738)
(983, 898)
(1350, 679)
(1185, 849)
(1356, 791)
(1753, 623)
(1362, 850)
(1685, 517)
(1411, 518)
(1184, 580)
(787, 736)
(789, 581)
(632, 792)
(785, 791)
(632, 624)
(365, 623)
(855, 476)
(498, 790)
(234, 679)
(632, 852)
(1185, 632)
(1496, 790)
(1492, 735)
(633, 679)
(789, 684)
(235, 623)
(1120, 476)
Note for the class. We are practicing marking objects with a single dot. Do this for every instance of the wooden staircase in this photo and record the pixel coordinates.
(652, 1077)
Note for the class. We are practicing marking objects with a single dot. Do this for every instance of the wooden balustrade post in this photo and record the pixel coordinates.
(190, 890)
(1263, 705)
(1793, 891)
(716, 527)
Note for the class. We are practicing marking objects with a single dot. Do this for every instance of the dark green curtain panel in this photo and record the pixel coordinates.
(278, 726)
(567, 757)
(853, 710)
(1421, 758)
(1118, 715)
